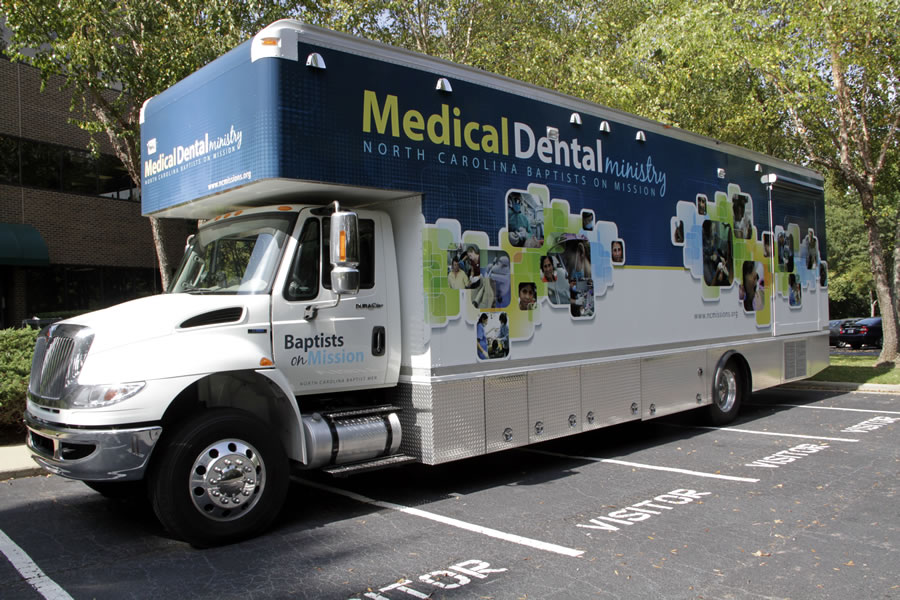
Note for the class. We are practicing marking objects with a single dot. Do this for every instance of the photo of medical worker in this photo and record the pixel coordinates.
(569, 264)
(527, 296)
(581, 297)
(484, 273)
(767, 244)
(717, 254)
(677, 232)
(794, 295)
(786, 252)
(554, 275)
(587, 220)
(617, 252)
(701, 204)
(742, 207)
(524, 220)
(810, 247)
(492, 336)
(751, 292)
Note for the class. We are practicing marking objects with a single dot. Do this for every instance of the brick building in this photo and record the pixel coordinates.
(72, 237)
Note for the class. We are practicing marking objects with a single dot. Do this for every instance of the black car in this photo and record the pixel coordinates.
(834, 329)
(864, 331)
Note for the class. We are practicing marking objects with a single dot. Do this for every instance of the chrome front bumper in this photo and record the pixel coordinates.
(91, 454)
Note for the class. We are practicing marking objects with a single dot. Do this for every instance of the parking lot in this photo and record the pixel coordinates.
(797, 499)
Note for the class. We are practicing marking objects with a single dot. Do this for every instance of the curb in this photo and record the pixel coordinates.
(839, 386)
(21, 473)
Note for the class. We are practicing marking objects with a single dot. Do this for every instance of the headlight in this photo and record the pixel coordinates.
(96, 396)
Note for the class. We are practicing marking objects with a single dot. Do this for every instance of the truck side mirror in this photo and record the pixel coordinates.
(344, 250)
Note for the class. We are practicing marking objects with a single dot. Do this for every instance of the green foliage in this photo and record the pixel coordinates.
(16, 350)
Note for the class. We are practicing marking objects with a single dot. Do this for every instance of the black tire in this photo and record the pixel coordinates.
(119, 490)
(196, 506)
(856, 346)
(727, 393)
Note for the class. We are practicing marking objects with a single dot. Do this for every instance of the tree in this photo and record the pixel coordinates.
(814, 81)
(115, 55)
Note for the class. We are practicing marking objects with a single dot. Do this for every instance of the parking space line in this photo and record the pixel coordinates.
(501, 535)
(646, 466)
(30, 572)
(775, 433)
(862, 410)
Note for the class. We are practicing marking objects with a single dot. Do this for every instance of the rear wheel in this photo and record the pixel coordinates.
(221, 477)
(728, 391)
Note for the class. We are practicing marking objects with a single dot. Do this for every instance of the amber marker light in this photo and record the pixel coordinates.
(343, 246)
(265, 362)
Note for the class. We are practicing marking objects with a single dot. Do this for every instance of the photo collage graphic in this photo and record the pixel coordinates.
(548, 259)
(723, 248)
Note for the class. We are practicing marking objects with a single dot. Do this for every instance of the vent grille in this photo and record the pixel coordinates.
(794, 359)
(215, 317)
(58, 356)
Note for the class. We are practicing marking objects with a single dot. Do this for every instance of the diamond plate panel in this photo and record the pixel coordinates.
(416, 421)
(554, 403)
(458, 416)
(608, 391)
(506, 408)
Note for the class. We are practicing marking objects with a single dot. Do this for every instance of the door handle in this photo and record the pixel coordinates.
(378, 336)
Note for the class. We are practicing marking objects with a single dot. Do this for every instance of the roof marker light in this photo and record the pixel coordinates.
(443, 85)
(315, 61)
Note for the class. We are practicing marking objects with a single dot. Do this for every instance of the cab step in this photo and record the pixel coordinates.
(394, 460)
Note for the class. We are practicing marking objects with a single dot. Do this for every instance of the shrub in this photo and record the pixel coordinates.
(16, 350)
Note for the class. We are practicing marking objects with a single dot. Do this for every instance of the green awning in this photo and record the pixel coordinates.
(22, 245)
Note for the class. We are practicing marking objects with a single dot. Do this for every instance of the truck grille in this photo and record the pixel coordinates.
(59, 352)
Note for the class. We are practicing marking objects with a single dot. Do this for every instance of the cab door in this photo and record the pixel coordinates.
(321, 346)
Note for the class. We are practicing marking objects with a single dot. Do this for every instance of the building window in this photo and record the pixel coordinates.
(9, 160)
(52, 167)
(63, 290)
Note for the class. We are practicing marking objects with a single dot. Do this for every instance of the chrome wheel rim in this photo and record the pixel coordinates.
(726, 390)
(227, 480)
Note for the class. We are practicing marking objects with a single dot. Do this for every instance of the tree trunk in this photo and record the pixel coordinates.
(881, 277)
(159, 243)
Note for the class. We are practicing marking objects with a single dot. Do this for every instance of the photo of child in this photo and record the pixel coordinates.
(794, 295)
(701, 204)
(489, 286)
(752, 289)
(527, 296)
(742, 208)
(587, 221)
(524, 220)
(555, 277)
(717, 254)
(677, 232)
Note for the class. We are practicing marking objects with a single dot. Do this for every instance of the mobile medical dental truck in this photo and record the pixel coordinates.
(404, 259)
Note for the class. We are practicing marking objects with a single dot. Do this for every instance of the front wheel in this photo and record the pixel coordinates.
(221, 477)
(728, 391)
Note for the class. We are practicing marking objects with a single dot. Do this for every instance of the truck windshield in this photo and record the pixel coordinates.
(235, 256)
